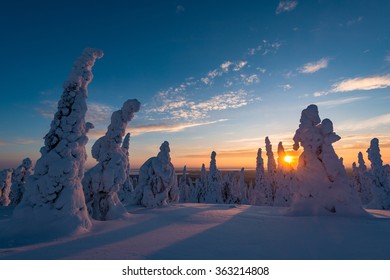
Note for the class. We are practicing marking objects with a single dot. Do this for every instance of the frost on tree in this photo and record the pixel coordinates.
(198, 192)
(102, 182)
(157, 185)
(362, 180)
(380, 188)
(262, 191)
(184, 187)
(5, 186)
(284, 180)
(54, 199)
(323, 186)
(126, 191)
(19, 178)
(214, 182)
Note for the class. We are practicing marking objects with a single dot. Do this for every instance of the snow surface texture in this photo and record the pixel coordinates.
(53, 203)
(102, 182)
(19, 178)
(5, 186)
(380, 189)
(217, 231)
(157, 185)
(323, 187)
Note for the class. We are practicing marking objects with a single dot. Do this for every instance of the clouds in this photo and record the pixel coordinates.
(265, 48)
(155, 128)
(286, 6)
(338, 102)
(360, 83)
(367, 124)
(179, 108)
(313, 67)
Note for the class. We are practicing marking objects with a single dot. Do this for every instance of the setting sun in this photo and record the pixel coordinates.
(288, 159)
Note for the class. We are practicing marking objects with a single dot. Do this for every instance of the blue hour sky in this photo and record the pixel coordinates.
(211, 75)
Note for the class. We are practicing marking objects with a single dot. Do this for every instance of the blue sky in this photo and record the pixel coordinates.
(211, 75)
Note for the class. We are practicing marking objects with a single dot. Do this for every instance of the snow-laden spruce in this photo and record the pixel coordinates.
(53, 202)
(362, 180)
(126, 191)
(184, 187)
(19, 179)
(102, 182)
(157, 184)
(214, 182)
(5, 186)
(323, 186)
(284, 180)
(380, 188)
(262, 191)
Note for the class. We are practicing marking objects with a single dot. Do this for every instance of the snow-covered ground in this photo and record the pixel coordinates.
(214, 231)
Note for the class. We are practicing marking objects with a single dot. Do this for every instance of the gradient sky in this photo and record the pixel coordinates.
(211, 75)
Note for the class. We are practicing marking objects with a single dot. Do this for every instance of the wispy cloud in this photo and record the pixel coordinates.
(362, 83)
(239, 65)
(155, 128)
(338, 102)
(313, 67)
(251, 79)
(265, 48)
(387, 58)
(286, 6)
(367, 124)
(286, 87)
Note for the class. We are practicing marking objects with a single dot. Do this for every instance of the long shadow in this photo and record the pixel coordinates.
(251, 236)
(68, 248)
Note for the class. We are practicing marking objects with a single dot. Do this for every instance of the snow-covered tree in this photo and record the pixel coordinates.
(5, 186)
(380, 188)
(54, 199)
(198, 191)
(19, 178)
(126, 191)
(214, 182)
(262, 190)
(271, 164)
(157, 185)
(323, 186)
(362, 180)
(102, 182)
(184, 187)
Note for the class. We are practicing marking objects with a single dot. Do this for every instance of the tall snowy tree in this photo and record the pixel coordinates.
(214, 182)
(362, 180)
(54, 198)
(102, 182)
(380, 189)
(157, 185)
(184, 187)
(262, 191)
(323, 186)
(126, 191)
(19, 178)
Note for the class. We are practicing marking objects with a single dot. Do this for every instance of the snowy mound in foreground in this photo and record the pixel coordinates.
(53, 203)
(323, 187)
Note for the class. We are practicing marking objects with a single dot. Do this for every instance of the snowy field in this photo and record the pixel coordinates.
(211, 231)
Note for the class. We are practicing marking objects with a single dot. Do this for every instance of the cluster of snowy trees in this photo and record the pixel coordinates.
(60, 195)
